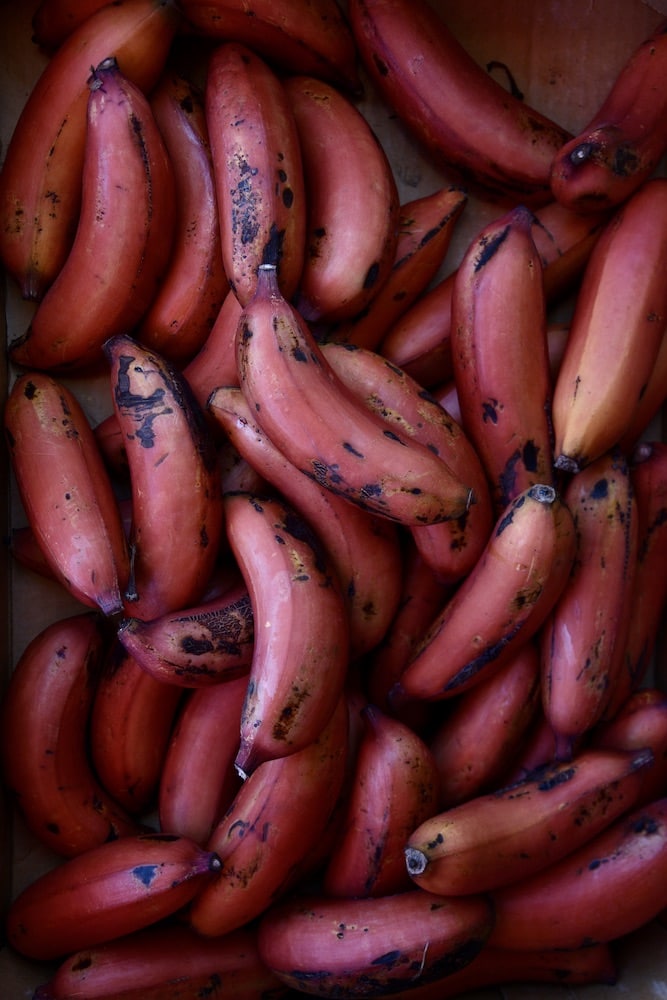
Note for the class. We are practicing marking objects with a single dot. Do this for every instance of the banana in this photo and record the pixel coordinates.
(129, 727)
(345, 264)
(648, 407)
(192, 291)
(583, 639)
(313, 39)
(166, 962)
(500, 604)
(600, 892)
(40, 183)
(426, 226)
(457, 112)
(287, 380)
(106, 892)
(177, 512)
(500, 356)
(54, 20)
(198, 781)
(45, 758)
(624, 141)
(507, 835)
(451, 547)
(214, 364)
(476, 740)
(364, 550)
(616, 329)
(66, 491)
(371, 947)
(301, 648)
(123, 237)
(276, 819)
(25, 549)
(258, 170)
(640, 722)
(395, 767)
(197, 646)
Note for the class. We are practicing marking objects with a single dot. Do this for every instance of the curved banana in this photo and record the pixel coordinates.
(66, 491)
(479, 737)
(371, 947)
(130, 723)
(648, 406)
(277, 818)
(40, 183)
(54, 20)
(197, 646)
(106, 892)
(616, 329)
(257, 168)
(394, 789)
(462, 116)
(314, 38)
(198, 780)
(500, 356)
(364, 550)
(214, 364)
(583, 639)
(123, 237)
(301, 648)
(287, 380)
(186, 305)
(177, 512)
(623, 143)
(500, 604)
(345, 264)
(45, 760)
(600, 892)
(166, 962)
(641, 721)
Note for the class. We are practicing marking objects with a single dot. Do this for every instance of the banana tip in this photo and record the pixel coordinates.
(416, 861)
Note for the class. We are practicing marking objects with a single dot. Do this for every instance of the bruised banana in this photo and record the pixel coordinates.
(496, 839)
(286, 379)
(40, 184)
(258, 170)
(123, 237)
(106, 892)
(301, 649)
(66, 491)
(177, 512)
(45, 759)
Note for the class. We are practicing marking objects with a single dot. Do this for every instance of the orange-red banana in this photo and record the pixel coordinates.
(345, 265)
(364, 549)
(45, 759)
(500, 604)
(616, 330)
(426, 226)
(500, 355)
(583, 639)
(459, 114)
(496, 839)
(600, 892)
(277, 818)
(106, 892)
(301, 649)
(295, 393)
(479, 736)
(40, 183)
(196, 646)
(394, 789)
(640, 722)
(166, 962)
(451, 547)
(177, 513)
(194, 286)
(371, 947)
(54, 20)
(258, 170)
(312, 38)
(130, 723)
(123, 237)
(623, 143)
(198, 781)
(66, 491)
